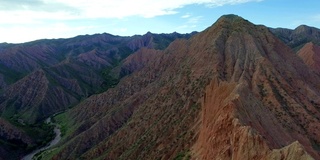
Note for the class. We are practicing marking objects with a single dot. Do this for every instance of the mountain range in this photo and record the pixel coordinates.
(233, 91)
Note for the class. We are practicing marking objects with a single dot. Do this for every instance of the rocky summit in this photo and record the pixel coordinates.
(233, 91)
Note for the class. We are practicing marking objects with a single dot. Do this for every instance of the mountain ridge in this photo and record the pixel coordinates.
(298, 37)
(44, 77)
(232, 91)
(202, 79)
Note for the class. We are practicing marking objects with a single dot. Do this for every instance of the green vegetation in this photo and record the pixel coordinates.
(46, 154)
(66, 127)
(315, 144)
(11, 75)
(183, 156)
(262, 90)
(41, 133)
(65, 123)
(109, 80)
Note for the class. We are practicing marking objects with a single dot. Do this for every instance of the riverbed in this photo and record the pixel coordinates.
(56, 139)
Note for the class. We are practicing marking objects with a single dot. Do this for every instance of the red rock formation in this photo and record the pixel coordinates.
(310, 54)
(233, 91)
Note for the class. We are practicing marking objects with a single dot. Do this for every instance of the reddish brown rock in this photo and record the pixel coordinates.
(233, 91)
(310, 54)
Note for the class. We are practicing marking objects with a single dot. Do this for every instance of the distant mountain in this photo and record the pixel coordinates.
(233, 91)
(298, 37)
(44, 77)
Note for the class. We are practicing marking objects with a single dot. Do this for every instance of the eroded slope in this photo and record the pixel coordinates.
(231, 91)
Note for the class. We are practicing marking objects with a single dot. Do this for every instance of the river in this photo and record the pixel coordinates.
(52, 143)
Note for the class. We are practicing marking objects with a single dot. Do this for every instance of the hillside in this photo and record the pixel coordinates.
(299, 36)
(41, 78)
(310, 54)
(232, 91)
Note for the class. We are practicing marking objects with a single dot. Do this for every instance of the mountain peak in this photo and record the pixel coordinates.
(232, 22)
(230, 17)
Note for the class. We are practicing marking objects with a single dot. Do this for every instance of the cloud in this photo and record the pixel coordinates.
(186, 15)
(19, 34)
(215, 3)
(25, 20)
(187, 26)
(35, 10)
(144, 8)
(194, 20)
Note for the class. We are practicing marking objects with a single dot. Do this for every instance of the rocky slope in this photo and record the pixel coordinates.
(310, 54)
(44, 77)
(68, 69)
(298, 37)
(14, 137)
(233, 91)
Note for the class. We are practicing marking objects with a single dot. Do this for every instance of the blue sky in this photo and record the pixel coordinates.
(27, 20)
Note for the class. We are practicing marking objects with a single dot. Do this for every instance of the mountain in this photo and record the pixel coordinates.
(41, 78)
(44, 77)
(233, 91)
(310, 54)
(298, 37)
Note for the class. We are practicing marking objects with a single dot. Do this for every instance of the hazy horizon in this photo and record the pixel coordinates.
(24, 21)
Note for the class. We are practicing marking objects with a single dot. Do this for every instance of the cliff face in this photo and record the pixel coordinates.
(255, 107)
(234, 127)
(233, 91)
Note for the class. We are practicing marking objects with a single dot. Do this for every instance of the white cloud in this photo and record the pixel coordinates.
(186, 15)
(144, 8)
(214, 3)
(194, 20)
(191, 22)
(20, 34)
(187, 26)
(25, 20)
(35, 10)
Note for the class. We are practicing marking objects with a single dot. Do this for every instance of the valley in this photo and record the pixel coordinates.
(53, 142)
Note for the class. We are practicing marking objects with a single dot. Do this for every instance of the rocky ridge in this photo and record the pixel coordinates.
(298, 37)
(44, 77)
(232, 91)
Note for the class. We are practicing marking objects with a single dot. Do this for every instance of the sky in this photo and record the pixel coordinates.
(28, 20)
